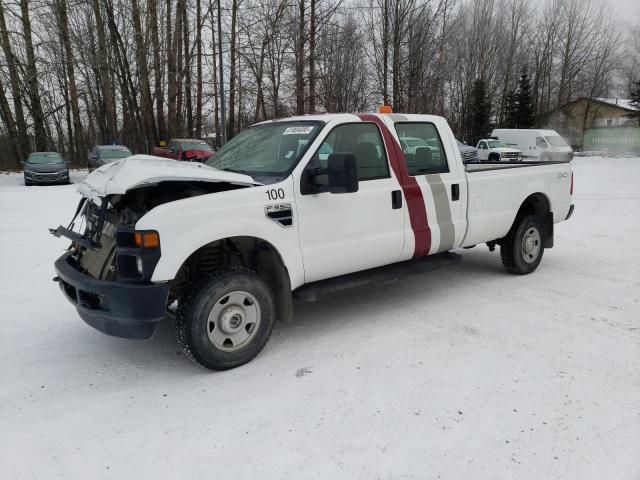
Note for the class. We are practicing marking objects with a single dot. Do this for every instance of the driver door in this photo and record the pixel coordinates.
(348, 232)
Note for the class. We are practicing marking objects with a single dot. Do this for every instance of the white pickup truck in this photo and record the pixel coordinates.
(291, 207)
(494, 150)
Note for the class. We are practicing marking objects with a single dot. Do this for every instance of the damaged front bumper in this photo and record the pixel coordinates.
(120, 309)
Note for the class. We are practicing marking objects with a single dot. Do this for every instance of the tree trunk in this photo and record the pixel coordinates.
(385, 54)
(12, 128)
(108, 113)
(157, 69)
(232, 72)
(78, 147)
(32, 81)
(146, 103)
(300, 60)
(199, 23)
(23, 143)
(312, 58)
(187, 77)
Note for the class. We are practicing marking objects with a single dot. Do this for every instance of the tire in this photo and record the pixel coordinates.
(226, 319)
(494, 157)
(522, 249)
(27, 183)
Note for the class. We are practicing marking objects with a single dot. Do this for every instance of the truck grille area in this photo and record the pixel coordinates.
(469, 156)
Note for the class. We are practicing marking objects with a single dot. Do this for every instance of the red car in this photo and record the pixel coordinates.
(187, 149)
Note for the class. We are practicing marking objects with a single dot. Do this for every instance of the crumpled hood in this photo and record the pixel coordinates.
(141, 170)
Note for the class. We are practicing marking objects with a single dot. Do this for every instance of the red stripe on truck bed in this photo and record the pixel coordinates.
(410, 188)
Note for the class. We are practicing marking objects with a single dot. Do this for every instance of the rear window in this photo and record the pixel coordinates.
(113, 153)
(196, 146)
(422, 148)
(41, 158)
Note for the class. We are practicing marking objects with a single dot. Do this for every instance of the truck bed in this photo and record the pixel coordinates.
(497, 189)
(483, 166)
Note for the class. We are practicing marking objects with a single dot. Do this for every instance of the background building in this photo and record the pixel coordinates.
(597, 124)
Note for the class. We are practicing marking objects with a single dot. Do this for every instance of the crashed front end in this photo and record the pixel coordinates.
(106, 271)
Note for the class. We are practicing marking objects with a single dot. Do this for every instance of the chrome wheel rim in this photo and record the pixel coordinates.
(531, 245)
(233, 321)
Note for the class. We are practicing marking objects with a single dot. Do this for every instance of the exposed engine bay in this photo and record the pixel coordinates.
(95, 229)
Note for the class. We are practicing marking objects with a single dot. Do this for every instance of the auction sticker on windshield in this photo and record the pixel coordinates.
(298, 131)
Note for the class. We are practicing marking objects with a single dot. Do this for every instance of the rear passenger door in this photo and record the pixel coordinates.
(348, 232)
(436, 169)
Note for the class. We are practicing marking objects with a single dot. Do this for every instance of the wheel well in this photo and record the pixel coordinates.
(494, 156)
(537, 204)
(251, 253)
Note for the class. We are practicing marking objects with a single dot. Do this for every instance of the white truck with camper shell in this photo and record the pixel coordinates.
(297, 207)
(540, 145)
(494, 150)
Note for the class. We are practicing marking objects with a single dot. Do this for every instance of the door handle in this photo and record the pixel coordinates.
(396, 199)
(455, 192)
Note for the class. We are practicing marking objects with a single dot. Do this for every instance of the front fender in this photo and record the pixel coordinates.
(186, 225)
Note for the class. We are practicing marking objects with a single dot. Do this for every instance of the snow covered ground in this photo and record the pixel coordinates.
(467, 373)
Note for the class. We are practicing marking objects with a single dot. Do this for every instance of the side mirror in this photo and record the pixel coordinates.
(343, 173)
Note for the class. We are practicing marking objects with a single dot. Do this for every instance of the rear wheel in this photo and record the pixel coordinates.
(226, 320)
(522, 249)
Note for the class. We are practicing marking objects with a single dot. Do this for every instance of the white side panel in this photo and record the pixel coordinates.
(495, 197)
(186, 225)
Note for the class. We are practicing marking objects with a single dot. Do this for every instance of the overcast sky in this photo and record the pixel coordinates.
(626, 10)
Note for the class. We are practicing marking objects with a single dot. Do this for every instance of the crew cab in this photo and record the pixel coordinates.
(288, 208)
(494, 150)
(188, 149)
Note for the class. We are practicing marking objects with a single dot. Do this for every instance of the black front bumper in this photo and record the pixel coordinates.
(47, 178)
(127, 310)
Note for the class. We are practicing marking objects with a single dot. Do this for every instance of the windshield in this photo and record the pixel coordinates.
(267, 149)
(114, 153)
(495, 144)
(556, 141)
(41, 158)
(196, 145)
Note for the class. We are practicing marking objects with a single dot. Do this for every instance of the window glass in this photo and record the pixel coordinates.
(540, 143)
(267, 149)
(114, 153)
(422, 148)
(556, 141)
(361, 139)
(495, 144)
(195, 145)
(42, 158)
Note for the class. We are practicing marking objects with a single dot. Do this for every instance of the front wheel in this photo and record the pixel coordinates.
(522, 249)
(226, 319)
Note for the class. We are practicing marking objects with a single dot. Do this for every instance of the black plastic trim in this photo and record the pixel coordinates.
(570, 212)
(127, 310)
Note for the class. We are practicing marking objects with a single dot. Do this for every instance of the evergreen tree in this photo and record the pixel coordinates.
(480, 110)
(524, 116)
(510, 110)
(635, 100)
